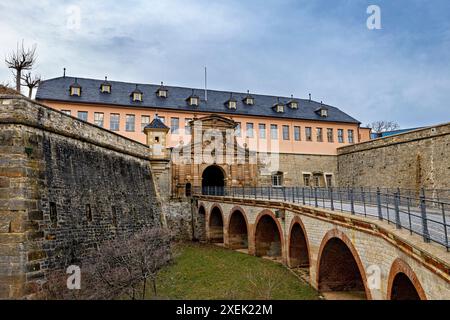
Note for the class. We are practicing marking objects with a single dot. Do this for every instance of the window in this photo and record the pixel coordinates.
(249, 101)
(262, 131)
(277, 179)
(53, 213)
(237, 131)
(250, 133)
(329, 179)
(323, 112)
(319, 135)
(105, 88)
(187, 127)
(68, 112)
(340, 135)
(130, 122)
(114, 122)
(232, 104)
(330, 135)
(98, 118)
(273, 131)
(162, 93)
(285, 132)
(308, 133)
(307, 180)
(297, 136)
(83, 115)
(174, 125)
(350, 136)
(316, 178)
(193, 101)
(75, 91)
(137, 96)
(279, 108)
(145, 120)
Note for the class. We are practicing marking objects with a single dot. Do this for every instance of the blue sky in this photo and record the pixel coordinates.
(284, 47)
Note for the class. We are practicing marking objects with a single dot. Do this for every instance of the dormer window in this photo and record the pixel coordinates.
(193, 100)
(293, 104)
(278, 107)
(105, 87)
(249, 100)
(162, 91)
(231, 103)
(322, 111)
(137, 95)
(75, 89)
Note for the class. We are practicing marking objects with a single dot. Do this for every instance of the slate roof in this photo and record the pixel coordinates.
(156, 124)
(57, 89)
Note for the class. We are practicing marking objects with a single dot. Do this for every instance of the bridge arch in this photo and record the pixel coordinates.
(339, 267)
(215, 224)
(298, 255)
(237, 229)
(268, 236)
(403, 283)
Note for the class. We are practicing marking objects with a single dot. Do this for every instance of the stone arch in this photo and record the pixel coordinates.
(268, 235)
(339, 267)
(403, 283)
(237, 229)
(201, 222)
(215, 224)
(213, 180)
(298, 245)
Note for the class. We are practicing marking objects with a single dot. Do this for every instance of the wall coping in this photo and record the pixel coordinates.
(24, 111)
(400, 138)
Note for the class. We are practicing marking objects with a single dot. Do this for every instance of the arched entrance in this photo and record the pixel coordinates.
(267, 238)
(403, 288)
(339, 271)
(201, 224)
(216, 226)
(298, 248)
(213, 180)
(188, 190)
(237, 231)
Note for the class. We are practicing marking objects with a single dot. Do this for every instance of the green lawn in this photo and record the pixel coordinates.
(209, 272)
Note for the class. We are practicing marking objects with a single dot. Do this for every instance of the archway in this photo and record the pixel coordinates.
(237, 231)
(339, 271)
(216, 226)
(188, 190)
(213, 180)
(267, 238)
(202, 223)
(298, 247)
(403, 288)
(403, 283)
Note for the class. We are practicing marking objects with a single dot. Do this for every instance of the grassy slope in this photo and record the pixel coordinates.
(211, 272)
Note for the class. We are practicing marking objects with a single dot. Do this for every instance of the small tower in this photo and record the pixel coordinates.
(156, 133)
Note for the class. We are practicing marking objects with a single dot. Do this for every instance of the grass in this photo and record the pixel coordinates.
(210, 272)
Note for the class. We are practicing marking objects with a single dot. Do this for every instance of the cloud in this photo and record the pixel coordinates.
(284, 47)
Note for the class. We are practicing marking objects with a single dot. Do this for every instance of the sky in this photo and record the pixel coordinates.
(400, 72)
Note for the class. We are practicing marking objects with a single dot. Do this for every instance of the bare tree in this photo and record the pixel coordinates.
(117, 268)
(383, 126)
(20, 60)
(31, 82)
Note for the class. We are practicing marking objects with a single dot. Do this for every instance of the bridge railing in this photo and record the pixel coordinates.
(421, 215)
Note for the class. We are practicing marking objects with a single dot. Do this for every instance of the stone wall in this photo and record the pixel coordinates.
(65, 185)
(411, 160)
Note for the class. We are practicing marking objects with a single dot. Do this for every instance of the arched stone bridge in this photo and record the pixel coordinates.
(343, 255)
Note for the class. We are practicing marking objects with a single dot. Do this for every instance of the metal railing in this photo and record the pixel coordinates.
(421, 215)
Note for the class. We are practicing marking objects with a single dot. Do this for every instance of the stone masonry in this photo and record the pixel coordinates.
(412, 160)
(65, 185)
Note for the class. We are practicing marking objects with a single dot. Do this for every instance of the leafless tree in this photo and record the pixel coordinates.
(117, 268)
(20, 60)
(31, 82)
(262, 284)
(383, 126)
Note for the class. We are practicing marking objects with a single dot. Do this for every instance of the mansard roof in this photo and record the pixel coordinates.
(56, 90)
